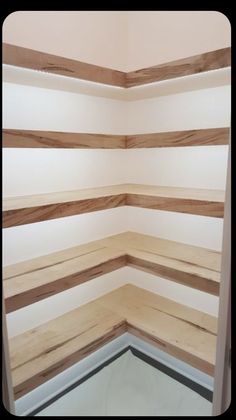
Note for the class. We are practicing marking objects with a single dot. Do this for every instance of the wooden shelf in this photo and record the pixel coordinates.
(37, 60)
(50, 63)
(203, 137)
(61, 140)
(31, 281)
(36, 208)
(41, 353)
(211, 60)
(57, 139)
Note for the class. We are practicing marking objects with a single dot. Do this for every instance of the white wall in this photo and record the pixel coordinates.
(96, 37)
(28, 171)
(156, 37)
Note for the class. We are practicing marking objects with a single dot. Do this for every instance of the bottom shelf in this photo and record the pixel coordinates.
(41, 353)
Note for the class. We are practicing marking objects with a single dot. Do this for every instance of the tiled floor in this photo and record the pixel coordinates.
(130, 387)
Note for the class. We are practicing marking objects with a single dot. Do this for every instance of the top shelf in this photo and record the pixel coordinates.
(37, 60)
(65, 140)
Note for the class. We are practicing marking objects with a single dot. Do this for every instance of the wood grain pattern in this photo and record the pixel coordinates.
(54, 139)
(184, 67)
(178, 205)
(183, 332)
(30, 209)
(204, 137)
(58, 344)
(31, 281)
(61, 140)
(23, 216)
(36, 60)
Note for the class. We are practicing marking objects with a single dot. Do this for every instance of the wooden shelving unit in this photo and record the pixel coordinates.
(41, 353)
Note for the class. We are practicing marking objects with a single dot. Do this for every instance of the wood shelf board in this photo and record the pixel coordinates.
(15, 138)
(37, 60)
(211, 60)
(58, 344)
(36, 279)
(40, 207)
(65, 140)
(22, 202)
(200, 137)
(50, 63)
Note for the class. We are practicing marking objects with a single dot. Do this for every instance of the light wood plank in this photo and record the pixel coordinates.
(61, 140)
(39, 354)
(184, 200)
(13, 138)
(43, 352)
(35, 208)
(36, 279)
(204, 137)
(175, 192)
(37, 60)
(183, 332)
(190, 206)
(211, 60)
(29, 288)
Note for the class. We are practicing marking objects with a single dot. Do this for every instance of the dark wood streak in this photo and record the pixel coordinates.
(56, 68)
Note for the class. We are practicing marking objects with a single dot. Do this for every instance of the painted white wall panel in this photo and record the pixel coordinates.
(187, 228)
(205, 108)
(50, 170)
(190, 167)
(28, 107)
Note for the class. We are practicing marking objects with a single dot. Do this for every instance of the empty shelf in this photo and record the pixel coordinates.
(41, 353)
(57, 139)
(31, 281)
(35, 208)
(202, 137)
(61, 140)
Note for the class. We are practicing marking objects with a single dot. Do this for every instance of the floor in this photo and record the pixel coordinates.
(129, 387)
